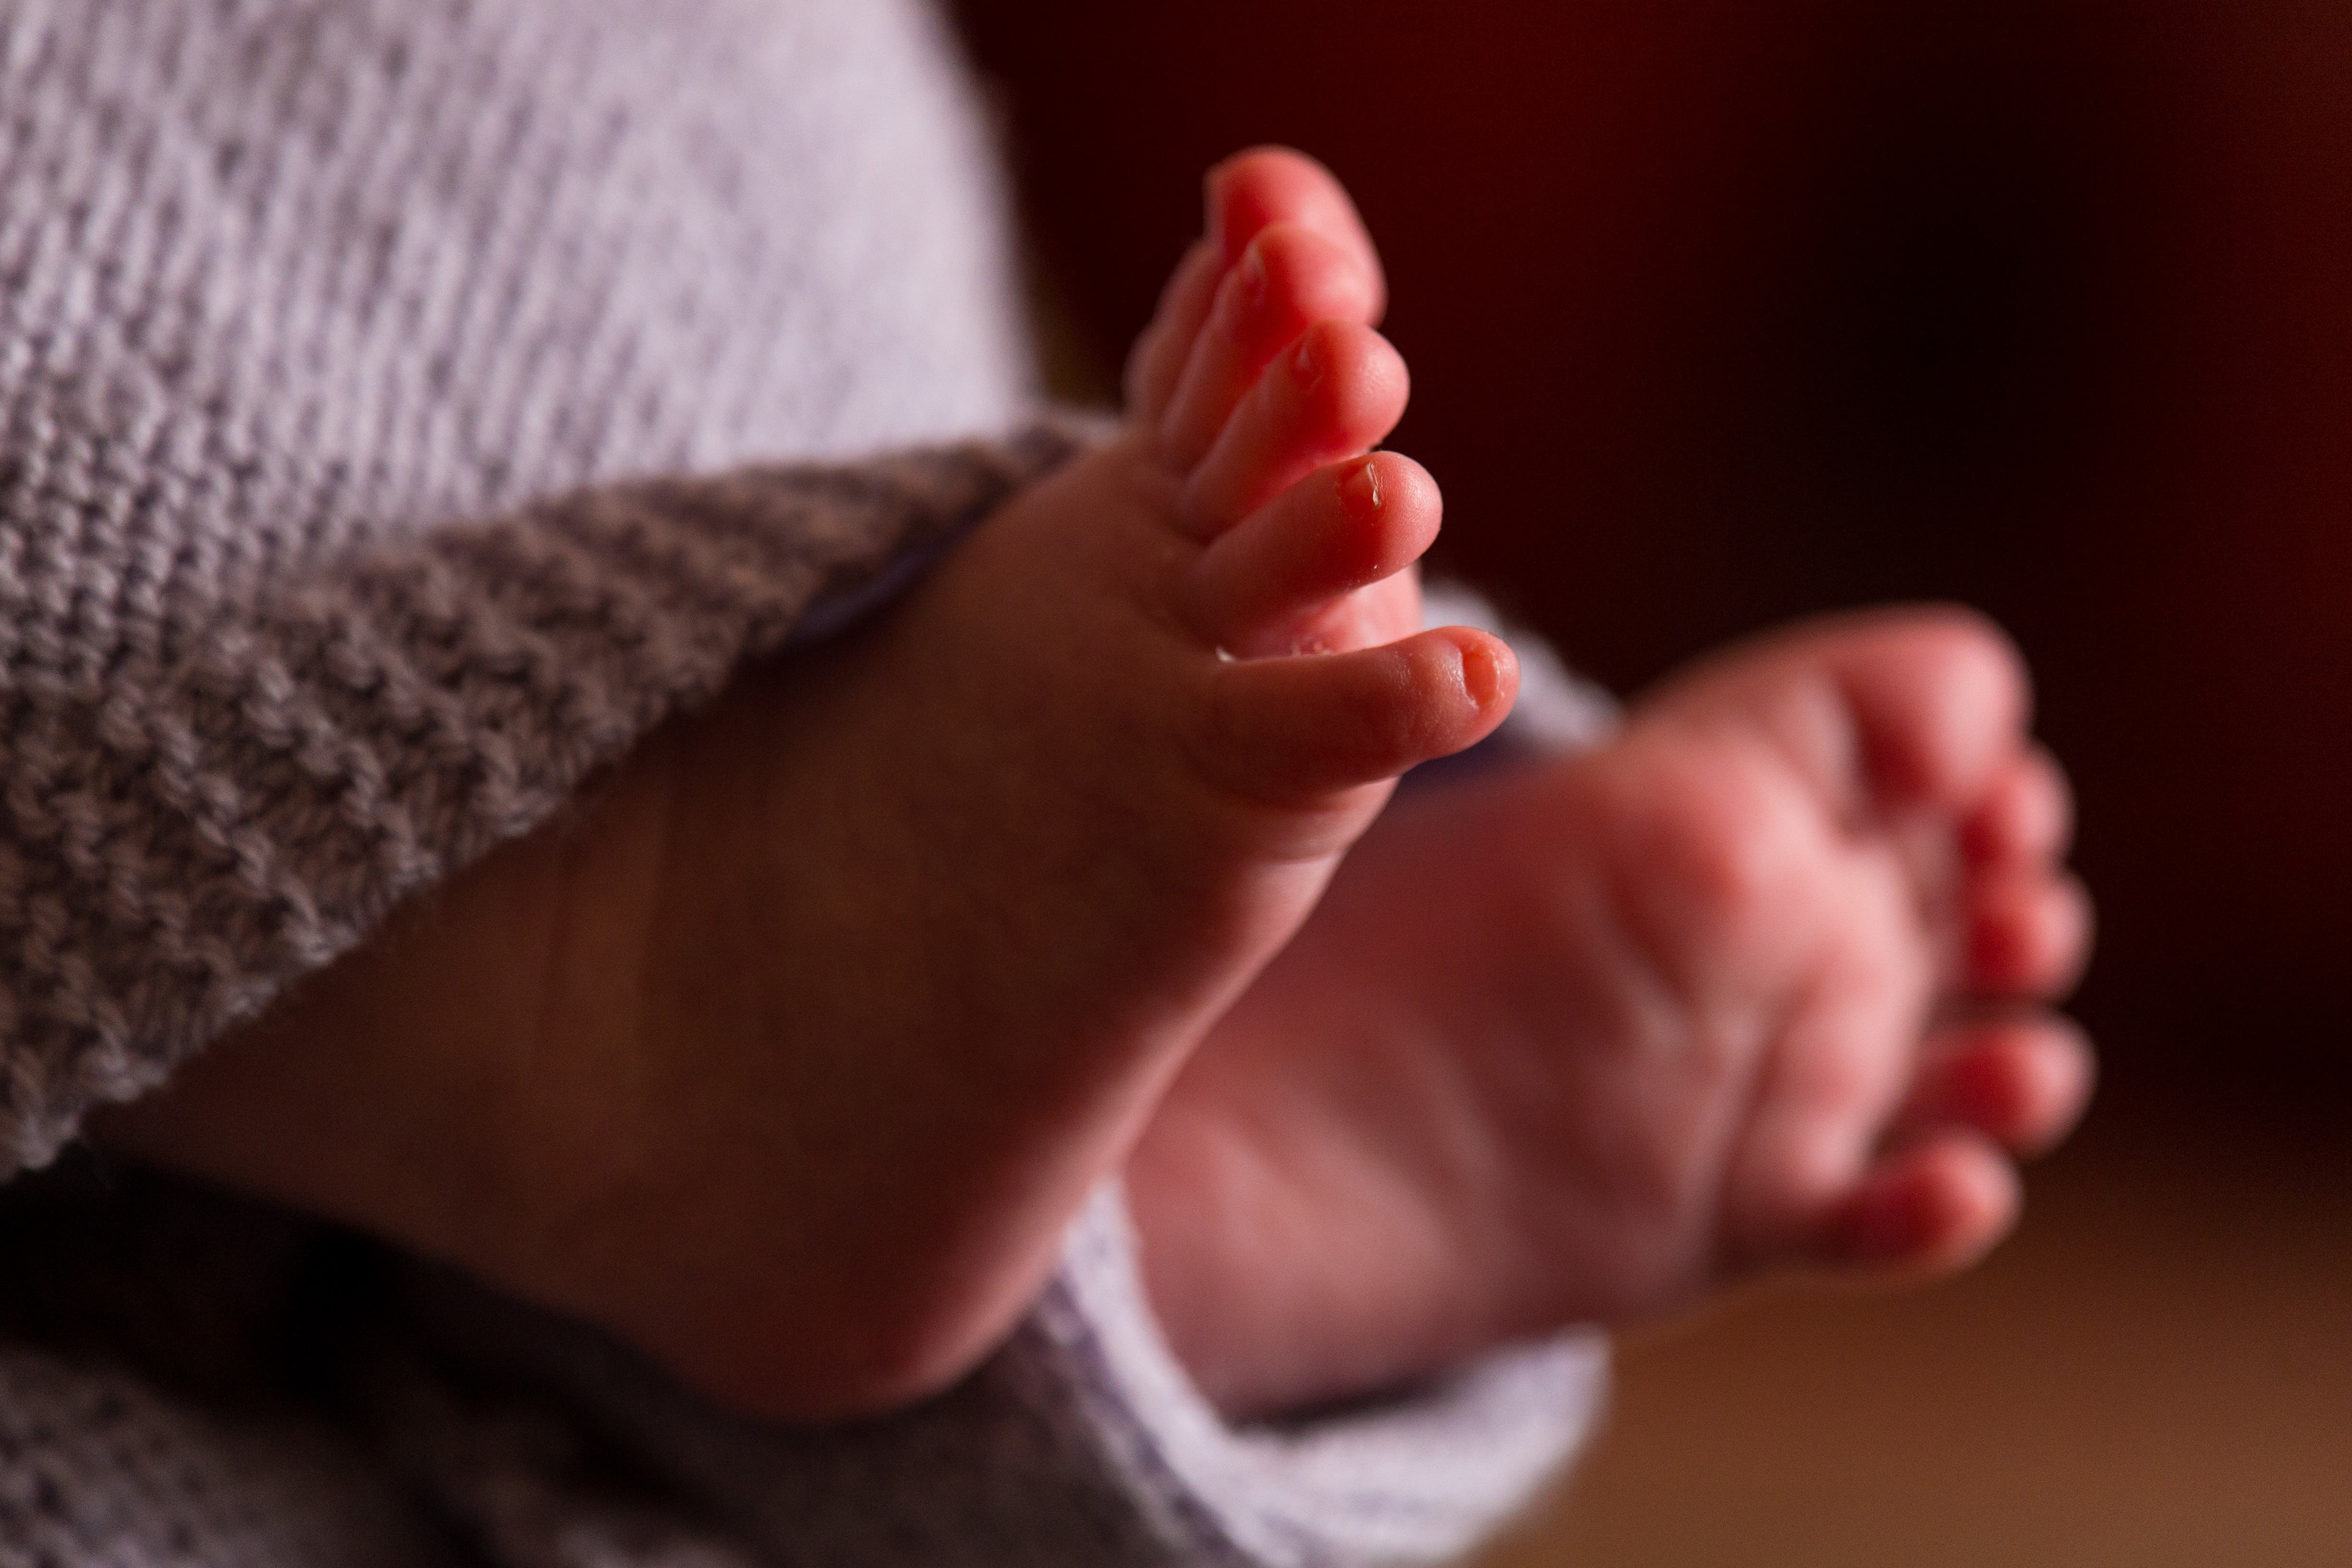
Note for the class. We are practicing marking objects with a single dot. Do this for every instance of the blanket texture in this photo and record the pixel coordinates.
(404, 405)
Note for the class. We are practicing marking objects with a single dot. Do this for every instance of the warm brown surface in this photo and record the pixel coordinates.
(2157, 1371)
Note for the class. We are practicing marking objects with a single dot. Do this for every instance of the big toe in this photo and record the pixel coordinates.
(1888, 710)
(1300, 729)
(1940, 700)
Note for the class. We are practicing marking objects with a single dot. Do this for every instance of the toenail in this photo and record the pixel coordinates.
(1359, 492)
(1242, 302)
(1252, 279)
(1306, 366)
(1482, 676)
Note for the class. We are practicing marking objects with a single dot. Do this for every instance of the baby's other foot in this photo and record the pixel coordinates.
(1761, 982)
(791, 1056)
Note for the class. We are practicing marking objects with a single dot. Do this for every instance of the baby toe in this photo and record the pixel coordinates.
(1255, 590)
(1932, 1208)
(1820, 1106)
(1338, 391)
(1939, 699)
(2026, 817)
(1291, 730)
(2023, 1082)
(1889, 713)
(1248, 194)
(2023, 933)
(1254, 190)
(1288, 279)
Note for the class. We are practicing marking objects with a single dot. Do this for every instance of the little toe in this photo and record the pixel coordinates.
(2022, 1082)
(1931, 1208)
(1289, 730)
(1288, 278)
(1256, 588)
(2027, 816)
(1339, 390)
(2025, 934)
(1254, 190)
(1246, 195)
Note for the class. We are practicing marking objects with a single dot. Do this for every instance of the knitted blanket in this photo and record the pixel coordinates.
(406, 404)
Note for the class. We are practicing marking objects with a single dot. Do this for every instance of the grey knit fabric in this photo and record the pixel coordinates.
(404, 405)
(414, 1409)
(95, 1466)
(287, 290)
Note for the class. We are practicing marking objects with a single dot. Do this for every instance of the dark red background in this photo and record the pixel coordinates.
(1720, 313)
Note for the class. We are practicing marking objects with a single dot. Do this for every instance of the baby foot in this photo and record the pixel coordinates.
(1757, 984)
(837, 1000)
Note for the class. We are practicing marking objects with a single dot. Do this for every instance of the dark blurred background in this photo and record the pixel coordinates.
(1723, 313)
